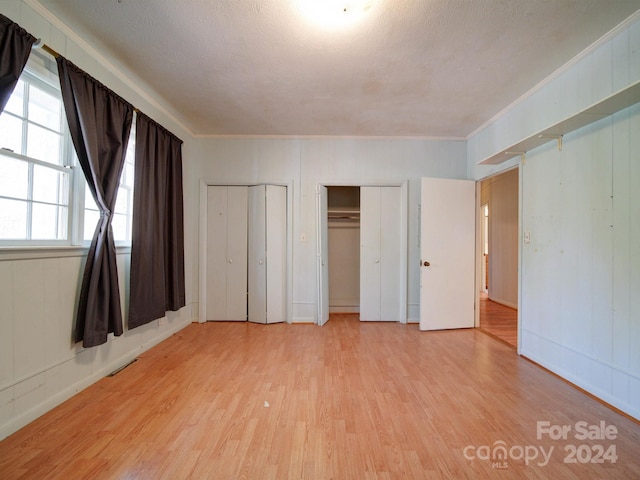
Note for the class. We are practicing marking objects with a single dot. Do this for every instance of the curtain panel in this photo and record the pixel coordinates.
(157, 246)
(15, 47)
(99, 123)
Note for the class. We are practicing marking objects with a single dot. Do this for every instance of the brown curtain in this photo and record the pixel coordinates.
(157, 244)
(15, 47)
(99, 123)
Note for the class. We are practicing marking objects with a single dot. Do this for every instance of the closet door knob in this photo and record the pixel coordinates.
(230, 260)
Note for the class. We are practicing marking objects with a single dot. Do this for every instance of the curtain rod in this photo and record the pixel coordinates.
(39, 44)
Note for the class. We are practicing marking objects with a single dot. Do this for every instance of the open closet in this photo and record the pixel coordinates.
(344, 249)
(364, 252)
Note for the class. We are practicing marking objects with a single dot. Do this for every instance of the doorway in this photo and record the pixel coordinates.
(375, 216)
(499, 220)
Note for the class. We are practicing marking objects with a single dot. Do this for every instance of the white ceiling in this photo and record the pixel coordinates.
(425, 68)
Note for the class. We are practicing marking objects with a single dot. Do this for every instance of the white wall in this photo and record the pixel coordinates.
(305, 163)
(579, 281)
(40, 366)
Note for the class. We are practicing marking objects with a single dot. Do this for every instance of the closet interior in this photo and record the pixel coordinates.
(344, 248)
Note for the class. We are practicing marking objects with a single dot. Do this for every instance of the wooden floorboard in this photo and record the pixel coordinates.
(499, 320)
(349, 400)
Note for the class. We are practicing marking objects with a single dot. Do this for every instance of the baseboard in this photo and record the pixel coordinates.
(505, 303)
(344, 309)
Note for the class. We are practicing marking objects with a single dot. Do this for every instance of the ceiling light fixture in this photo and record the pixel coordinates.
(333, 13)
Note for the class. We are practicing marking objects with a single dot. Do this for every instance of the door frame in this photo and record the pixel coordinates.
(479, 240)
(202, 242)
(404, 231)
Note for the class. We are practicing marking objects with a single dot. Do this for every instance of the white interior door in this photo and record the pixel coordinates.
(276, 252)
(447, 247)
(322, 243)
(257, 268)
(226, 253)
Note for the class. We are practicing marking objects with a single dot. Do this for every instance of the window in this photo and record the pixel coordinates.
(44, 199)
(122, 215)
(35, 181)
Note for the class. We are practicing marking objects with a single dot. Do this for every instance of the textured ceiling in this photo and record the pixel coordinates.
(427, 68)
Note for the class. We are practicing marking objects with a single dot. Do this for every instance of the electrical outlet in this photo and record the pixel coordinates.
(160, 322)
(527, 237)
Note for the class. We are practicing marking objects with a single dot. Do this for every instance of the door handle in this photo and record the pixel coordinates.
(426, 264)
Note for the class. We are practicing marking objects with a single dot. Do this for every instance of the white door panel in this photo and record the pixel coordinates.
(380, 254)
(257, 268)
(237, 253)
(390, 254)
(370, 253)
(276, 247)
(226, 253)
(323, 254)
(447, 245)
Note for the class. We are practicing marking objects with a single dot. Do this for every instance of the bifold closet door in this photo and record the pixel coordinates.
(227, 253)
(267, 253)
(380, 254)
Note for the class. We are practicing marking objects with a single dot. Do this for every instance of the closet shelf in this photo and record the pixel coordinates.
(344, 214)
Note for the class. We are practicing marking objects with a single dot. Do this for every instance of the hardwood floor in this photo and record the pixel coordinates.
(349, 400)
(499, 320)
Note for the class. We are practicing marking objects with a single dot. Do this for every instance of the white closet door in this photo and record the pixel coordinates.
(267, 253)
(216, 253)
(237, 253)
(370, 253)
(380, 254)
(226, 253)
(390, 254)
(323, 254)
(257, 268)
(276, 243)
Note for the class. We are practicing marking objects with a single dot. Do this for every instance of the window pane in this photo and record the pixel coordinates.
(49, 185)
(91, 218)
(13, 219)
(14, 181)
(45, 224)
(16, 100)
(122, 201)
(119, 225)
(127, 175)
(11, 133)
(44, 108)
(43, 144)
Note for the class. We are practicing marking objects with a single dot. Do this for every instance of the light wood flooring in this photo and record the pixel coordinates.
(349, 400)
(499, 320)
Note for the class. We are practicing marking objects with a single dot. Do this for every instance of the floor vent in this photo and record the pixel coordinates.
(118, 370)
